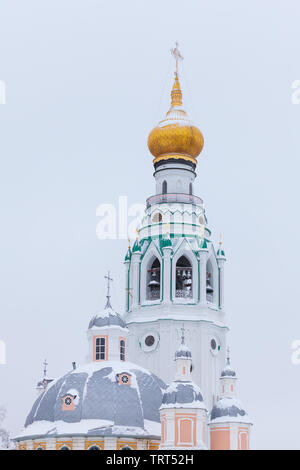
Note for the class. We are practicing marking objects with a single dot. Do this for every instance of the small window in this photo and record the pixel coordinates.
(191, 188)
(157, 217)
(164, 187)
(122, 350)
(100, 349)
(64, 448)
(150, 340)
(126, 448)
(94, 448)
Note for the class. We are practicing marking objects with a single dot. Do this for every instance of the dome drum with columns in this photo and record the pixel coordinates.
(149, 382)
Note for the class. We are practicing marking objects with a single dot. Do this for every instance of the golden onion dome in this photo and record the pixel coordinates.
(175, 137)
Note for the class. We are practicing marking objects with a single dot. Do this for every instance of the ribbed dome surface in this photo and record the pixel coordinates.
(103, 406)
(175, 136)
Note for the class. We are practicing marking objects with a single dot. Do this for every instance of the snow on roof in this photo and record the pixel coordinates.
(103, 406)
(229, 409)
(182, 395)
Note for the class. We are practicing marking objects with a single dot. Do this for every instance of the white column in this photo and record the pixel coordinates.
(167, 274)
(127, 285)
(203, 259)
(134, 272)
(110, 443)
(221, 281)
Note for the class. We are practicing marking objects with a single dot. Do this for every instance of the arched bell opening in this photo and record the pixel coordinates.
(184, 278)
(209, 282)
(153, 280)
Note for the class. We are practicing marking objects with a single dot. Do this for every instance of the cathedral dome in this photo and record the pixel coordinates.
(181, 395)
(229, 409)
(175, 137)
(110, 398)
(108, 317)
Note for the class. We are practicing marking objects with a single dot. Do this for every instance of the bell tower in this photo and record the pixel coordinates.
(173, 274)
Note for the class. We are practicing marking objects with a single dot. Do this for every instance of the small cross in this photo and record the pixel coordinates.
(45, 363)
(177, 56)
(108, 289)
(182, 334)
(228, 355)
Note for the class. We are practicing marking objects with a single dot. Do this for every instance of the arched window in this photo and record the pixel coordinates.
(191, 188)
(153, 281)
(64, 448)
(122, 350)
(164, 187)
(209, 282)
(100, 349)
(184, 278)
(126, 448)
(94, 448)
(39, 448)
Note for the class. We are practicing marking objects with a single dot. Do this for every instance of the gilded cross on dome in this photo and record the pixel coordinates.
(177, 55)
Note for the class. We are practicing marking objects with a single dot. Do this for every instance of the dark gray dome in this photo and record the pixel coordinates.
(228, 372)
(107, 318)
(183, 351)
(229, 409)
(180, 394)
(103, 405)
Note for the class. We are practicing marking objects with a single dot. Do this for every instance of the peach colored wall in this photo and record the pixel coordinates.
(163, 429)
(121, 444)
(185, 429)
(70, 407)
(61, 444)
(220, 438)
(243, 438)
(88, 444)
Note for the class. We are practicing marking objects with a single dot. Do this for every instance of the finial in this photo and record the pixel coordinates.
(228, 356)
(45, 363)
(167, 228)
(137, 233)
(220, 242)
(129, 244)
(182, 334)
(177, 56)
(108, 305)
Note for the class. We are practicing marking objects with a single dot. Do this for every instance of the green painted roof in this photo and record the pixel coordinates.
(128, 254)
(136, 247)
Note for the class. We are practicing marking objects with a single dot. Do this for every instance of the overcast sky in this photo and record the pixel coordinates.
(86, 80)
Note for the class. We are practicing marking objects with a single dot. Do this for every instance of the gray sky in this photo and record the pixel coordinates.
(85, 83)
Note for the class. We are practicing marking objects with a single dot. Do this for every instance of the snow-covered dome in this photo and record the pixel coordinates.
(183, 351)
(182, 395)
(229, 409)
(110, 398)
(108, 317)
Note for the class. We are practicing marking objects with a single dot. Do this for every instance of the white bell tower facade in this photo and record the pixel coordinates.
(173, 275)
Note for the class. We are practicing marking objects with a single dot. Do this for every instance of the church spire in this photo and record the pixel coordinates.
(109, 279)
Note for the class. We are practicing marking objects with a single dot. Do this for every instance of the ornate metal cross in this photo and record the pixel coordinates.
(177, 55)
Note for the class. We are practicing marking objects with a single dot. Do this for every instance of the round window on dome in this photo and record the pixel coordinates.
(213, 344)
(201, 220)
(157, 217)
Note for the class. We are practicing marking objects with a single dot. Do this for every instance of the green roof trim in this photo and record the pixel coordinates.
(136, 247)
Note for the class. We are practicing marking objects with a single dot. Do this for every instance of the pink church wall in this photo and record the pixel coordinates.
(220, 438)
